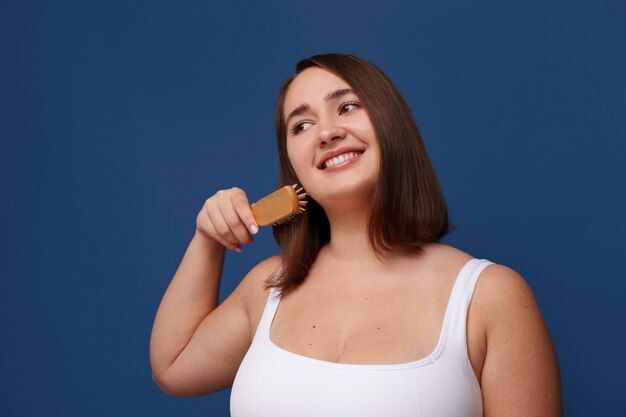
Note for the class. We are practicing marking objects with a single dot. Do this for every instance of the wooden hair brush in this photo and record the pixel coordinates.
(281, 206)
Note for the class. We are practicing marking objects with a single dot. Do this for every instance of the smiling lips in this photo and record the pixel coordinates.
(339, 159)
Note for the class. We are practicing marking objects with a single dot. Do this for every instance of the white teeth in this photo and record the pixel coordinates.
(339, 159)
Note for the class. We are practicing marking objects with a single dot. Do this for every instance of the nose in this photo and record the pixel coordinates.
(330, 131)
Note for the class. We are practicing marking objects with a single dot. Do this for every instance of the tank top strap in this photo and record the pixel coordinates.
(455, 322)
(273, 299)
(466, 282)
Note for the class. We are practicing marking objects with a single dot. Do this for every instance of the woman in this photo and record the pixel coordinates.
(363, 313)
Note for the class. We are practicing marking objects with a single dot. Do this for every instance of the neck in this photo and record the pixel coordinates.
(350, 245)
(349, 240)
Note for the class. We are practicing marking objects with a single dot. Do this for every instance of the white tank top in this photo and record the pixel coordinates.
(273, 382)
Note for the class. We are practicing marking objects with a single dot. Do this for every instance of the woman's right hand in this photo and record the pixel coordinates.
(227, 218)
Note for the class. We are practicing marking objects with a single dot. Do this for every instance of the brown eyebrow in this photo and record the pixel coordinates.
(296, 112)
(337, 93)
(305, 107)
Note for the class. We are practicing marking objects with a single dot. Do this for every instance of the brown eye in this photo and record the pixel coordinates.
(348, 107)
(299, 127)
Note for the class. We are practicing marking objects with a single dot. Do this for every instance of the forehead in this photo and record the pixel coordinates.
(310, 87)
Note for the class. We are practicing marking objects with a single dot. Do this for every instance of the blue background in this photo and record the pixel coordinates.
(118, 119)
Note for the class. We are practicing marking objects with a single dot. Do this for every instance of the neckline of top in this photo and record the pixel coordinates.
(274, 299)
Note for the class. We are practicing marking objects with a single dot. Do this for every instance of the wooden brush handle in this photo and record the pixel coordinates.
(276, 206)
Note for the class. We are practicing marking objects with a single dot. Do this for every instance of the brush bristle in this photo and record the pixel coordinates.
(301, 208)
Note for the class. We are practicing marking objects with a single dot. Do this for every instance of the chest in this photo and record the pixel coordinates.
(367, 322)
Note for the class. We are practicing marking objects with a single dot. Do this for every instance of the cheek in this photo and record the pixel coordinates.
(297, 157)
(296, 168)
(293, 159)
(301, 164)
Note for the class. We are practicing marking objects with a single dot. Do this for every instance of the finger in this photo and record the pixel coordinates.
(207, 228)
(236, 224)
(242, 206)
(221, 229)
(227, 244)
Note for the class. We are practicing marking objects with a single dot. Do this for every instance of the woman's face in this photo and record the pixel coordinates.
(331, 142)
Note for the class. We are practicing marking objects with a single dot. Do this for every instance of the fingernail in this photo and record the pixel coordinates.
(253, 229)
(238, 250)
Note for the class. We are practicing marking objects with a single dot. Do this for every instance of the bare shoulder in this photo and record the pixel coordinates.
(498, 285)
(442, 249)
(502, 290)
(445, 258)
(503, 307)
(502, 280)
(253, 288)
(520, 370)
(255, 280)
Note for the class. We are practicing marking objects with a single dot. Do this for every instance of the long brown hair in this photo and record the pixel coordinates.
(408, 208)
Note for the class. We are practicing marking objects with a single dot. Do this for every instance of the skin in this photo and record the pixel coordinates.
(353, 307)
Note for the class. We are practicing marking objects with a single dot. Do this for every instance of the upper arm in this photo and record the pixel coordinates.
(520, 375)
(212, 357)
